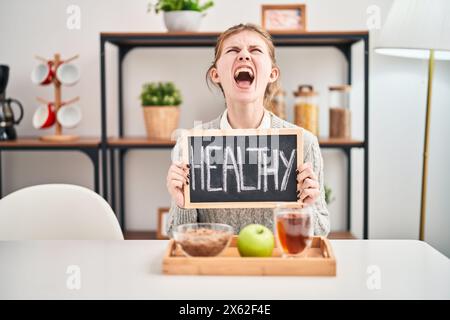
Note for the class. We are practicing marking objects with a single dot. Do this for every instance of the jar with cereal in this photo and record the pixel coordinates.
(306, 109)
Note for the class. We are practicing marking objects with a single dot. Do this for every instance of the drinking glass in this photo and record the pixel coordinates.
(294, 228)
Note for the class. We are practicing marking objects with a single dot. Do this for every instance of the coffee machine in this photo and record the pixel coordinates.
(7, 118)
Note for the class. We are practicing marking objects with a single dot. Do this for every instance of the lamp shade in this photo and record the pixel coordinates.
(414, 27)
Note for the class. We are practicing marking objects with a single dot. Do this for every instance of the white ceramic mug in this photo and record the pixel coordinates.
(44, 116)
(69, 116)
(43, 73)
(68, 74)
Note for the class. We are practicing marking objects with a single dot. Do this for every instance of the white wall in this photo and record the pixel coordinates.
(397, 104)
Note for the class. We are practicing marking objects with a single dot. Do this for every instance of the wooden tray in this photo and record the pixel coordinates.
(319, 261)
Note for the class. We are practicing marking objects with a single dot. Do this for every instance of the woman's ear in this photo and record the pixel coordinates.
(274, 74)
(214, 75)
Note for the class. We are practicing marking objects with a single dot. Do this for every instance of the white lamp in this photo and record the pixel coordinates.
(418, 29)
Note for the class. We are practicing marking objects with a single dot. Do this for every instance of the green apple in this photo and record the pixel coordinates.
(255, 240)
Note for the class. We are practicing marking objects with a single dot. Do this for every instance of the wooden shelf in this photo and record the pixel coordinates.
(140, 142)
(341, 235)
(140, 235)
(144, 142)
(340, 143)
(35, 142)
(167, 39)
(217, 33)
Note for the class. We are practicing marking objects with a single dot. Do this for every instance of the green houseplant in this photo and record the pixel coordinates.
(160, 102)
(181, 15)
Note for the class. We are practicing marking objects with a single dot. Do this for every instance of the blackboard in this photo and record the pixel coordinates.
(242, 168)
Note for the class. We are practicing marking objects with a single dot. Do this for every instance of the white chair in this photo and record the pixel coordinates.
(57, 212)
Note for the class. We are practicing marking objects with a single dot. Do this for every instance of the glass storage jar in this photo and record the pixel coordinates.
(278, 104)
(340, 115)
(306, 109)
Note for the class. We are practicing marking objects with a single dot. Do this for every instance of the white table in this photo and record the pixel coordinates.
(408, 269)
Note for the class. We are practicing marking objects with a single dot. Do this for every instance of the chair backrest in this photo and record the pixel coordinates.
(57, 212)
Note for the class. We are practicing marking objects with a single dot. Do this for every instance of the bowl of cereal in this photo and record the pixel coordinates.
(203, 239)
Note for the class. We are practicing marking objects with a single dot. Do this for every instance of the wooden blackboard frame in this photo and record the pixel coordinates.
(238, 132)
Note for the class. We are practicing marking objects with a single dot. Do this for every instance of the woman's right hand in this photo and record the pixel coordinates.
(177, 178)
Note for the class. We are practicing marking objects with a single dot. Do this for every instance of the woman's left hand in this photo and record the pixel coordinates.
(308, 188)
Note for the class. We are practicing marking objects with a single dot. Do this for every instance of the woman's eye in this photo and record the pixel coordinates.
(258, 50)
(235, 50)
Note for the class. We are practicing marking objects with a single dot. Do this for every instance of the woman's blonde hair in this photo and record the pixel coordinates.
(271, 87)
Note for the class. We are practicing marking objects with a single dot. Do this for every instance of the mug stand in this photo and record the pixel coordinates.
(58, 136)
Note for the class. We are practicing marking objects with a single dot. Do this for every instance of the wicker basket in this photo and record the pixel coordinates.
(161, 121)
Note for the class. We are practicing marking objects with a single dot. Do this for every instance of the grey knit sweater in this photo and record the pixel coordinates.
(239, 218)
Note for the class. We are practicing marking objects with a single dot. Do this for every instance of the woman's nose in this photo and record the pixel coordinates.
(244, 56)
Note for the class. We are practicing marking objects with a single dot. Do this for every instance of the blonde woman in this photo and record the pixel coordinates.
(246, 72)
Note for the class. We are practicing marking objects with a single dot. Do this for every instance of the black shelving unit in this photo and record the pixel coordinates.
(87, 146)
(119, 146)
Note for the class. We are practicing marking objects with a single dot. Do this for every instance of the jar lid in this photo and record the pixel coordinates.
(344, 87)
(305, 90)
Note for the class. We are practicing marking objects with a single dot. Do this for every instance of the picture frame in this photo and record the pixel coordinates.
(163, 220)
(284, 18)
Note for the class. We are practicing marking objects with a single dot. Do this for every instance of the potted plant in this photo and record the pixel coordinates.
(181, 15)
(160, 102)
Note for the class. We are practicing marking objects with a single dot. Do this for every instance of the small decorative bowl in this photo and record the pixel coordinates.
(203, 239)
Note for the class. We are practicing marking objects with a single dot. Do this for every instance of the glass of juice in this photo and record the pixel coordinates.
(294, 228)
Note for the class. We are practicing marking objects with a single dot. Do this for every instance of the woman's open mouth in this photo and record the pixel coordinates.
(244, 76)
